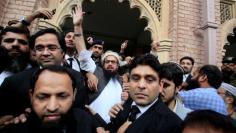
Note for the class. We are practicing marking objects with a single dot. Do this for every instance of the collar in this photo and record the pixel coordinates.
(67, 56)
(142, 108)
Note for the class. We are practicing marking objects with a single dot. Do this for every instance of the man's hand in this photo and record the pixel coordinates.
(124, 96)
(90, 40)
(90, 110)
(101, 130)
(6, 120)
(123, 46)
(10, 119)
(77, 15)
(115, 110)
(124, 127)
(44, 13)
(126, 87)
(92, 81)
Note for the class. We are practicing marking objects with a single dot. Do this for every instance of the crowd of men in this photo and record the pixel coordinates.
(54, 83)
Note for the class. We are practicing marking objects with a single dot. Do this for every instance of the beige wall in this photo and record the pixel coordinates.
(185, 19)
(15, 9)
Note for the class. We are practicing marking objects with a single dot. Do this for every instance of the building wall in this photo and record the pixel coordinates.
(185, 19)
(218, 37)
(2, 8)
(16, 9)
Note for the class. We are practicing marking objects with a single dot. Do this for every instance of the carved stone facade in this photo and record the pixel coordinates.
(196, 28)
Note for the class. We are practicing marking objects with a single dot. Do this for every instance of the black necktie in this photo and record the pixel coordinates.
(70, 62)
(134, 111)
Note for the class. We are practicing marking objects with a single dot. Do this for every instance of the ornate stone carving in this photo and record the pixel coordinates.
(226, 11)
(156, 6)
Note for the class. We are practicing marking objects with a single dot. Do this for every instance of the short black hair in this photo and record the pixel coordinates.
(213, 74)
(208, 119)
(172, 71)
(229, 59)
(187, 58)
(51, 68)
(15, 30)
(145, 59)
(60, 39)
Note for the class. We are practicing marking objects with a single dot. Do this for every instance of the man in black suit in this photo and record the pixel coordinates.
(50, 50)
(187, 64)
(145, 112)
(52, 94)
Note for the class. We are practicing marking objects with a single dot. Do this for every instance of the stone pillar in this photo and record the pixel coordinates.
(209, 28)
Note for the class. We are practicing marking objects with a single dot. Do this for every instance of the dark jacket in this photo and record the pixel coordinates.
(14, 92)
(76, 121)
(157, 119)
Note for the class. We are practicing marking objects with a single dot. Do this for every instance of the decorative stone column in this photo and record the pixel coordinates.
(209, 31)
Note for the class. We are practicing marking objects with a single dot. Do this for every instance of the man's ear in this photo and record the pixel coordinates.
(74, 95)
(177, 88)
(202, 78)
(31, 95)
(161, 85)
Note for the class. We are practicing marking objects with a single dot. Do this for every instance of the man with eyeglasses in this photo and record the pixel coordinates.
(50, 49)
(15, 38)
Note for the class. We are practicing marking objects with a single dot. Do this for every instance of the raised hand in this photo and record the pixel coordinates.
(77, 15)
(45, 13)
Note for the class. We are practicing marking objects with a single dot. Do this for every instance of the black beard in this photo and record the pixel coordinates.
(226, 75)
(192, 84)
(169, 101)
(19, 64)
(109, 74)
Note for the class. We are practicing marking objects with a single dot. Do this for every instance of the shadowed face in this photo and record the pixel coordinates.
(169, 91)
(111, 64)
(16, 44)
(187, 65)
(145, 85)
(97, 50)
(52, 97)
(69, 38)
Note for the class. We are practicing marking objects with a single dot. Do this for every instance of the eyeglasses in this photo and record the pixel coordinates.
(112, 61)
(50, 48)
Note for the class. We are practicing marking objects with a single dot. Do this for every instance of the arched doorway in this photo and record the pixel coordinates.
(148, 19)
(114, 22)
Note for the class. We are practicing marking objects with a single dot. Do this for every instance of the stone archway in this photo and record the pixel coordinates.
(147, 16)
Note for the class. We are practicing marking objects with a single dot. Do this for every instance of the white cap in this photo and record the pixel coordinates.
(110, 53)
(231, 89)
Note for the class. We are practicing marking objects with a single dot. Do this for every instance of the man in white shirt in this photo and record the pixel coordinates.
(71, 54)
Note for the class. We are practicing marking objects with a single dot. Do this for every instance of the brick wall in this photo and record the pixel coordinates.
(3, 3)
(219, 46)
(15, 9)
(185, 18)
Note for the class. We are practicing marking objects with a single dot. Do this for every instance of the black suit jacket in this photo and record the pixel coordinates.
(76, 121)
(157, 119)
(14, 92)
